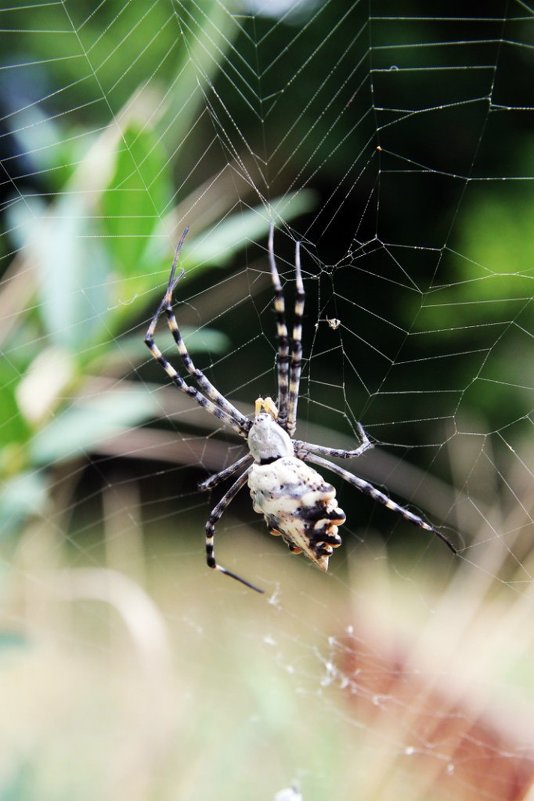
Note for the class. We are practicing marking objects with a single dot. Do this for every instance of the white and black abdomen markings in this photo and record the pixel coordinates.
(298, 504)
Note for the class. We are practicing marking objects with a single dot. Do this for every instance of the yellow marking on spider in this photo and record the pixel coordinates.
(391, 505)
(266, 405)
(167, 298)
(293, 387)
(169, 369)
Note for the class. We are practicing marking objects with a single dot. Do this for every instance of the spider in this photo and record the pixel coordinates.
(295, 500)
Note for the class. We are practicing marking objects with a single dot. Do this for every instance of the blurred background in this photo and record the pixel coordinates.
(395, 143)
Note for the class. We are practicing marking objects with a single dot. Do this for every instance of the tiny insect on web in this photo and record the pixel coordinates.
(295, 500)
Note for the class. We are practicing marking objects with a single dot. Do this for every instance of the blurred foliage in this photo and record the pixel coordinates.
(489, 304)
(106, 170)
(91, 255)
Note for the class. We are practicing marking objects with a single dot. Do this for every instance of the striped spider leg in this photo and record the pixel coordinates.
(337, 453)
(217, 478)
(289, 358)
(210, 399)
(369, 489)
(215, 515)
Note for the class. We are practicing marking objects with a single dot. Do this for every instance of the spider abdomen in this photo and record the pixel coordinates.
(298, 504)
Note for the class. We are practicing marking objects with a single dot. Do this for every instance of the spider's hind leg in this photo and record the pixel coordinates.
(213, 481)
(380, 497)
(215, 515)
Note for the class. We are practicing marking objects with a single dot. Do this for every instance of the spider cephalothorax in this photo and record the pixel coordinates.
(296, 502)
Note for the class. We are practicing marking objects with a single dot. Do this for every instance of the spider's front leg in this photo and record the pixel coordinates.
(207, 396)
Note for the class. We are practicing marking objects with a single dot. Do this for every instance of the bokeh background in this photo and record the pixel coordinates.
(394, 141)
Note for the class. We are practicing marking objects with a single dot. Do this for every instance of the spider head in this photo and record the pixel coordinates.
(266, 405)
(267, 441)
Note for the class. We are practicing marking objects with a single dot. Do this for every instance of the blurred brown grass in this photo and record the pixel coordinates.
(141, 675)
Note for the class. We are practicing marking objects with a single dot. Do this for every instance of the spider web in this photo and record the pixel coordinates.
(393, 141)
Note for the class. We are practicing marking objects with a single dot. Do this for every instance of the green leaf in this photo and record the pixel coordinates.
(71, 267)
(218, 245)
(72, 270)
(498, 235)
(78, 429)
(138, 195)
(13, 428)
